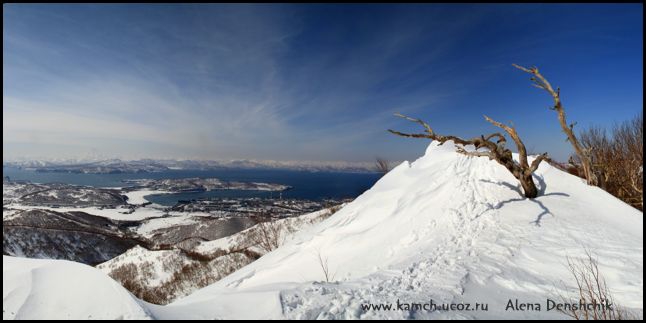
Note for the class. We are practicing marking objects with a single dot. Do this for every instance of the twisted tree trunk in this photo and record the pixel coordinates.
(527, 182)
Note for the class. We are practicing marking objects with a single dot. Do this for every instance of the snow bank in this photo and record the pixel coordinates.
(58, 289)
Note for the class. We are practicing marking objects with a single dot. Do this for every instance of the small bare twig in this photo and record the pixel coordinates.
(591, 290)
(382, 165)
(323, 262)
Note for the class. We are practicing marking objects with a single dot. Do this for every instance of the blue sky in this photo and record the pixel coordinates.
(306, 82)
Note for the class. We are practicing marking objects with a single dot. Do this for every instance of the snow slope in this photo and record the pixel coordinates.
(160, 276)
(59, 289)
(446, 227)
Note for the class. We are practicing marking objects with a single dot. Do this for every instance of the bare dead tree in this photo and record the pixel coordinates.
(629, 143)
(266, 234)
(592, 290)
(541, 82)
(382, 165)
(497, 151)
(617, 159)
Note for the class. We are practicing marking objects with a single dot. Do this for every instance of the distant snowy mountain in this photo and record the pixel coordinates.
(447, 228)
(151, 165)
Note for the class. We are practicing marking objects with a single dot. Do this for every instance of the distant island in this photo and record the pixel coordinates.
(200, 184)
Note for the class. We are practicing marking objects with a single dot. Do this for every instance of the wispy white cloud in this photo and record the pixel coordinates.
(222, 86)
(242, 81)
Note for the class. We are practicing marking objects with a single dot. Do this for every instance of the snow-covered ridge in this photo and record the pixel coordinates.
(446, 227)
(160, 276)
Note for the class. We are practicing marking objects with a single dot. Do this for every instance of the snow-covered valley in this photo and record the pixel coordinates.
(446, 227)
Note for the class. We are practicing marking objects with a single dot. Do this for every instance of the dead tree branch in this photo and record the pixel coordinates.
(539, 81)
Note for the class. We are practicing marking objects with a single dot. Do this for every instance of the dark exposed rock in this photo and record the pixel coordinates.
(76, 236)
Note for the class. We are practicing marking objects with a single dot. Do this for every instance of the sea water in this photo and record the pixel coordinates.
(305, 184)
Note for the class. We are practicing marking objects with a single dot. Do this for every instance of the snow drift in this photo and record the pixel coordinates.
(60, 289)
(448, 228)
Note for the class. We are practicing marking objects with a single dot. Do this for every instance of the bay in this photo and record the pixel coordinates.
(305, 184)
